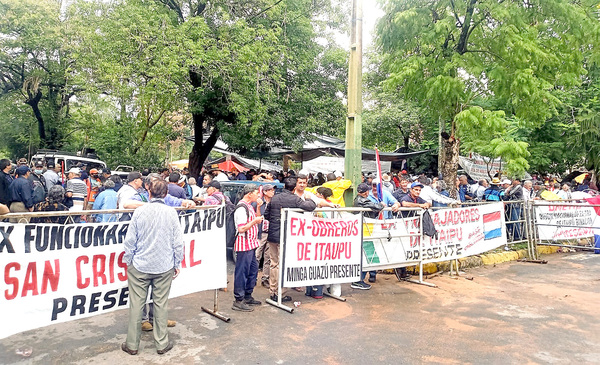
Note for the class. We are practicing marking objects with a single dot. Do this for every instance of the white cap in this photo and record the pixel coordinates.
(338, 173)
(74, 170)
(506, 181)
(303, 172)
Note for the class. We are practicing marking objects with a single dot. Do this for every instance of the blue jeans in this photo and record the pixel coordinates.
(314, 291)
(246, 271)
(372, 274)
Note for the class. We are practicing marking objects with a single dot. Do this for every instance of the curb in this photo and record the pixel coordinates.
(481, 260)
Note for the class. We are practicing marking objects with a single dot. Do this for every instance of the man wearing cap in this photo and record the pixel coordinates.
(215, 197)
(493, 192)
(414, 200)
(76, 189)
(40, 191)
(51, 175)
(338, 185)
(362, 201)
(387, 198)
(21, 191)
(22, 162)
(128, 191)
(93, 183)
(287, 199)
(217, 174)
(174, 189)
(247, 220)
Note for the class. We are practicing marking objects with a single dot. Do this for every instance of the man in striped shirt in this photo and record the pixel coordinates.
(246, 266)
(76, 189)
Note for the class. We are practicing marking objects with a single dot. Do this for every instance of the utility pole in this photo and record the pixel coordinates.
(353, 160)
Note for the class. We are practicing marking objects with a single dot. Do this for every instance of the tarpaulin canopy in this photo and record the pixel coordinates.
(230, 165)
(321, 145)
(248, 163)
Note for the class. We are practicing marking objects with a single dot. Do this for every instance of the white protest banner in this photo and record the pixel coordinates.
(565, 221)
(321, 251)
(462, 232)
(390, 243)
(56, 273)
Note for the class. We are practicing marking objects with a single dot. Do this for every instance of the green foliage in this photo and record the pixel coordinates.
(36, 66)
(451, 57)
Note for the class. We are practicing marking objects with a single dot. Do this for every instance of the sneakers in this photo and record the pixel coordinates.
(285, 298)
(239, 305)
(147, 326)
(360, 285)
(166, 349)
(252, 301)
(265, 283)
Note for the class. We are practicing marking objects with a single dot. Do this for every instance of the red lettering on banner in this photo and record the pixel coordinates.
(30, 283)
(80, 283)
(303, 251)
(51, 276)
(299, 228)
(123, 265)
(111, 264)
(192, 262)
(11, 281)
(98, 268)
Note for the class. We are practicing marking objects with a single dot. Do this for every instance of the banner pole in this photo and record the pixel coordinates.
(283, 233)
(215, 311)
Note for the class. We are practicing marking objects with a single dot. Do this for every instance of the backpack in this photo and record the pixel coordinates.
(230, 231)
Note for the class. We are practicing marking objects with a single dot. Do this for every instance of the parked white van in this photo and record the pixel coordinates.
(68, 159)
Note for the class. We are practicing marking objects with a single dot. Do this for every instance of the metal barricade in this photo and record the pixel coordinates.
(571, 221)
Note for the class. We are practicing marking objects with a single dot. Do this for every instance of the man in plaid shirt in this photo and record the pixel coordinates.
(246, 266)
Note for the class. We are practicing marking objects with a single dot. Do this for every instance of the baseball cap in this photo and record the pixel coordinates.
(74, 170)
(267, 187)
(416, 184)
(215, 184)
(22, 170)
(362, 188)
(338, 173)
(93, 171)
(249, 188)
(506, 181)
(39, 163)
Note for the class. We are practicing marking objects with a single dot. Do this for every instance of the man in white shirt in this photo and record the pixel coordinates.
(430, 195)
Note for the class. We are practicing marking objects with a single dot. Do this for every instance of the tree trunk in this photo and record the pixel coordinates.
(34, 103)
(450, 149)
(201, 150)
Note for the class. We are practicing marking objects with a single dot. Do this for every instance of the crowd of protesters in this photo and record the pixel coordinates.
(45, 188)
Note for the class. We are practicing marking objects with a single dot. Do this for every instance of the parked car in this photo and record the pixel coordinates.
(68, 159)
(122, 171)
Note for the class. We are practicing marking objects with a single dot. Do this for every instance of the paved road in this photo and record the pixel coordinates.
(514, 313)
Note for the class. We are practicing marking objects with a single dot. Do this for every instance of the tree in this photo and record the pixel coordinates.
(261, 79)
(36, 64)
(466, 59)
(133, 66)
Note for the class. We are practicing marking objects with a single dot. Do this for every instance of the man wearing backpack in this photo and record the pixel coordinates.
(287, 199)
(246, 266)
